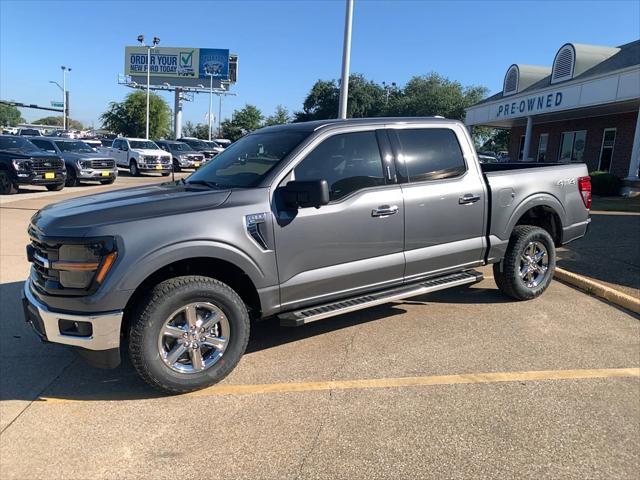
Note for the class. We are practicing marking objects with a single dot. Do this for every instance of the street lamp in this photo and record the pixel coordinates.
(346, 60)
(210, 100)
(64, 95)
(156, 41)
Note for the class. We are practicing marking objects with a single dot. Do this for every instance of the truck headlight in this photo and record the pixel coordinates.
(83, 164)
(79, 265)
(21, 164)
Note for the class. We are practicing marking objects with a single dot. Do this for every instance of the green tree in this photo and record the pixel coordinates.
(200, 130)
(426, 95)
(242, 122)
(10, 116)
(280, 117)
(497, 140)
(57, 122)
(366, 99)
(433, 94)
(129, 117)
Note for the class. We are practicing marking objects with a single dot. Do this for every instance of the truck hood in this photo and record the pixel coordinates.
(79, 216)
(84, 156)
(151, 151)
(28, 153)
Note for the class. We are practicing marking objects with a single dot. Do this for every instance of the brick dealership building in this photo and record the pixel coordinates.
(584, 108)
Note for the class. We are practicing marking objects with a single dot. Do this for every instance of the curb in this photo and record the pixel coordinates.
(599, 290)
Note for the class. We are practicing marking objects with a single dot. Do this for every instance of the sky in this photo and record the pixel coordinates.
(283, 47)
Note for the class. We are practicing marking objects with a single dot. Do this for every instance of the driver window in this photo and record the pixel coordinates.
(348, 162)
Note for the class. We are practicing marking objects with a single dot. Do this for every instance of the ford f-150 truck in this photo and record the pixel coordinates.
(301, 222)
(139, 155)
(23, 163)
(82, 161)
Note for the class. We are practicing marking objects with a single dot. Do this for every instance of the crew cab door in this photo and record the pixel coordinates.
(120, 152)
(444, 198)
(355, 242)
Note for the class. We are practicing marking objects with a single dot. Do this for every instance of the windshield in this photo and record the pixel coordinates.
(143, 144)
(211, 143)
(181, 147)
(198, 144)
(16, 143)
(79, 147)
(248, 160)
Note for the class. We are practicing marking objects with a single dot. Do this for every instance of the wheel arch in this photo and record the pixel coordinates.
(544, 211)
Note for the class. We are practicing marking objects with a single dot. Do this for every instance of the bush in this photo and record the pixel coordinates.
(605, 184)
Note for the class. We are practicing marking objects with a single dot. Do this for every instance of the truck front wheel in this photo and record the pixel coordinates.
(188, 333)
(133, 168)
(528, 265)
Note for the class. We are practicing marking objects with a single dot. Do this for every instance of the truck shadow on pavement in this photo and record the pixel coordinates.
(53, 372)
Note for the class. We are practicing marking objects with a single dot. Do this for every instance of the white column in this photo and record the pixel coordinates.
(634, 163)
(527, 140)
(177, 111)
(346, 60)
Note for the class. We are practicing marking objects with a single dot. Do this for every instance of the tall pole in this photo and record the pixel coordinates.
(148, 86)
(220, 115)
(346, 60)
(210, 102)
(64, 99)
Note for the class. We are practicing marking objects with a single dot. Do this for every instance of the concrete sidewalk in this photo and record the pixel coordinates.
(609, 253)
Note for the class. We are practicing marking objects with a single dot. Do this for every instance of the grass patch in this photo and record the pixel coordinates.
(616, 204)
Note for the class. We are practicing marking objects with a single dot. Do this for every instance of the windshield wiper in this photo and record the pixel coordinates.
(203, 182)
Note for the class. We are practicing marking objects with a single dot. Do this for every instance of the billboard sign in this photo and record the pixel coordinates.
(178, 63)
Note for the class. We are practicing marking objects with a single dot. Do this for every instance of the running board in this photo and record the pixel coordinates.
(311, 314)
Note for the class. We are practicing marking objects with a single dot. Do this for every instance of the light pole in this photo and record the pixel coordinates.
(64, 95)
(210, 101)
(156, 41)
(220, 116)
(346, 59)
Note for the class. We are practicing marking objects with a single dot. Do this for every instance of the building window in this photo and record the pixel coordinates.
(572, 146)
(606, 151)
(510, 81)
(542, 147)
(521, 148)
(563, 64)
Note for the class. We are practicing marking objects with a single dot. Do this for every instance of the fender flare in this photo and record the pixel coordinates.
(168, 254)
(535, 200)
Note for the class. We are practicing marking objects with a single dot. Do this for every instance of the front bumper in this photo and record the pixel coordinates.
(105, 327)
(154, 168)
(30, 178)
(94, 174)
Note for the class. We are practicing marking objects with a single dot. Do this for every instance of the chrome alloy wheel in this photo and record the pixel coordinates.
(534, 264)
(194, 338)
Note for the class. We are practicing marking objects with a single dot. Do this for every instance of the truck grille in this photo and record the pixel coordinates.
(153, 160)
(42, 165)
(41, 254)
(102, 163)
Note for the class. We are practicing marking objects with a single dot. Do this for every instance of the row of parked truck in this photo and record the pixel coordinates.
(56, 162)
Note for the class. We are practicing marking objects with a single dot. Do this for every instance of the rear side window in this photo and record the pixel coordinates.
(430, 154)
(348, 162)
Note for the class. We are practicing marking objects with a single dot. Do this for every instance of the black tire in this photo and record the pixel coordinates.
(55, 188)
(7, 187)
(157, 307)
(507, 273)
(107, 182)
(176, 166)
(133, 168)
(72, 178)
(165, 174)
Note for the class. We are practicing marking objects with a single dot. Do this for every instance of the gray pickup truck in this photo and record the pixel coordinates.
(300, 222)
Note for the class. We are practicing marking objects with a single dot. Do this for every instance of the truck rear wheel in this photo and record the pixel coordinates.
(188, 333)
(527, 268)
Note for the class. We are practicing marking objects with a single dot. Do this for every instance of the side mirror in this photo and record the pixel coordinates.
(308, 193)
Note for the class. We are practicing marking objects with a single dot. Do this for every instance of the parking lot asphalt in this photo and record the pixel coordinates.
(463, 383)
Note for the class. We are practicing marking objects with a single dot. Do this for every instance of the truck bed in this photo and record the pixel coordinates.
(516, 188)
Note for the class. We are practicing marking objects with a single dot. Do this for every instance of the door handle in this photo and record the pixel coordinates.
(384, 211)
(468, 198)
